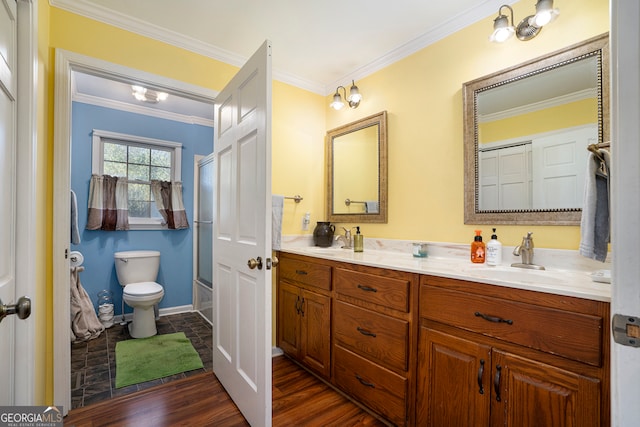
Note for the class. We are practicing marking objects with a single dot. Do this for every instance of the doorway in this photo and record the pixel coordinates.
(66, 64)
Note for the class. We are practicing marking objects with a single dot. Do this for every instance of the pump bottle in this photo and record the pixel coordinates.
(477, 249)
(358, 241)
(494, 250)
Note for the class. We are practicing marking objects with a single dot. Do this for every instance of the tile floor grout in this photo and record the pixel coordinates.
(93, 362)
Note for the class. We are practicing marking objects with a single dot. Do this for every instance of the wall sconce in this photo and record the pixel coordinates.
(528, 28)
(353, 99)
(146, 95)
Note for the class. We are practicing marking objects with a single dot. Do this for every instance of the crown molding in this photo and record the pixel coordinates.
(135, 25)
(138, 109)
(541, 105)
(451, 26)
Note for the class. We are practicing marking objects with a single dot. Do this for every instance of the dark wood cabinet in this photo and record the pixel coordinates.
(374, 339)
(304, 314)
(491, 356)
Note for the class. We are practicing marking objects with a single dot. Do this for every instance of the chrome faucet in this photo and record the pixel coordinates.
(525, 249)
(347, 241)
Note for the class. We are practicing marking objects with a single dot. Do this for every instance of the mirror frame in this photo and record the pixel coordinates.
(379, 119)
(598, 46)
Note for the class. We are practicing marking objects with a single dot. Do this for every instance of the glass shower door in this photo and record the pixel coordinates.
(204, 223)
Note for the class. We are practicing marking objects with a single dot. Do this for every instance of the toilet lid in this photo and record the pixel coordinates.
(143, 288)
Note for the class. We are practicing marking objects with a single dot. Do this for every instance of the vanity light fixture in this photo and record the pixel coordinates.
(353, 99)
(147, 95)
(528, 28)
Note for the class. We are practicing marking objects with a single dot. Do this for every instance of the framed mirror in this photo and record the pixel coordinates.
(526, 133)
(357, 171)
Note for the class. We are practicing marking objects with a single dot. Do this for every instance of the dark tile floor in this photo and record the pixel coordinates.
(93, 363)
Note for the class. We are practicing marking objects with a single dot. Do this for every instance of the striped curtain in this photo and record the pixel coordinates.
(168, 197)
(108, 203)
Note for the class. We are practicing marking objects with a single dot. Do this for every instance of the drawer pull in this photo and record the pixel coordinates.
(480, 375)
(301, 272)
(496, 382)
(494, 319)
(365, 332)
(365, 383)
(367, 288)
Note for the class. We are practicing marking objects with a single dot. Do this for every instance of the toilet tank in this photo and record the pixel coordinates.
(137, 266)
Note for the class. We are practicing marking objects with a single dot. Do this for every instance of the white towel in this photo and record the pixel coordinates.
(277, 208)
(594, 225)
(75, 233)
(371, 206)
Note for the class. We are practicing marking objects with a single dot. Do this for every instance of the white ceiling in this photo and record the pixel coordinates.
(317, 45)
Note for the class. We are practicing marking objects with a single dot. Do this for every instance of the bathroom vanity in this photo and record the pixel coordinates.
(434, 342)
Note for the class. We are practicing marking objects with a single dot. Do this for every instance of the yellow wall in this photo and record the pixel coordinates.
(550, 119)
(423, 97)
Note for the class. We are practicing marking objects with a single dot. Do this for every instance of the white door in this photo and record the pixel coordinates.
(242, 232)
(559, 165)
(625, 199)
(8, 205)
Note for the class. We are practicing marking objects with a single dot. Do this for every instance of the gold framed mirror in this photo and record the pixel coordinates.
(526, 133)
(357, 171)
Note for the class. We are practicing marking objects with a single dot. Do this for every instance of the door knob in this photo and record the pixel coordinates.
(253, 263)
(272, 262)
(22, 308)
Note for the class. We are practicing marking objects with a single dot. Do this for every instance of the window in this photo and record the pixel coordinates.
(140, 160)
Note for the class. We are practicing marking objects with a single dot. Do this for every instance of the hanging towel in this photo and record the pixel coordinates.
(75, 233)
(84, 321)
(371, 206)
(595, 225)
(277, 208)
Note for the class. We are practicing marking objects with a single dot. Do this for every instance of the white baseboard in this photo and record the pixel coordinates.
(276, 351)
(176, 310)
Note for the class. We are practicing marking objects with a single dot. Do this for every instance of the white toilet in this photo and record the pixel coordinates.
(136, 271)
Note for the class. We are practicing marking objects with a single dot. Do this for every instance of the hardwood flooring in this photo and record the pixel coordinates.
(299, 399)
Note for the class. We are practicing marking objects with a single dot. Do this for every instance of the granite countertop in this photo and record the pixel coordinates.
(567, 273)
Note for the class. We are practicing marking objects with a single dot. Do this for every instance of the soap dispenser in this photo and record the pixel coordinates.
(494, 250)
(358, 241)
(477, 249)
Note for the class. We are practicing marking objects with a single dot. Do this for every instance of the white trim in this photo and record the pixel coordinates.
(27, 63)
(537, 106)
(527, 139)
(65, 63)
(138, 109)
(97, 155)
(107, 16)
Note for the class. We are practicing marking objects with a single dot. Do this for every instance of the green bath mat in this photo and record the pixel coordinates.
(146, 359)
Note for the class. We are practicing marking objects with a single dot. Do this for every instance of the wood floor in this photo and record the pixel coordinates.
(299, 399)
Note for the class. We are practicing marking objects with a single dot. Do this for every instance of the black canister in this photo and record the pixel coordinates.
(323, 234)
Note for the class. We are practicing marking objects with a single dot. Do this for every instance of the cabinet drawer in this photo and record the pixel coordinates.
(309, 273)
(372, 334)
(376, 387)
(389, 292)
(572, 335)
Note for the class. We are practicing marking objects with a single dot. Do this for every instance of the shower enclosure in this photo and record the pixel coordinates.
(203, 238)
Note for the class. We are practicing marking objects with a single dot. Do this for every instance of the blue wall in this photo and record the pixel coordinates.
(98, 247)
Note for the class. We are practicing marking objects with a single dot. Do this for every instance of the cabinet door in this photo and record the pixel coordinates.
(453, 381)
(288, 319)
(527, 393)
(315, 316)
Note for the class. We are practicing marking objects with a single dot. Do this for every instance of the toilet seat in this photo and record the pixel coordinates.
(143, 289)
